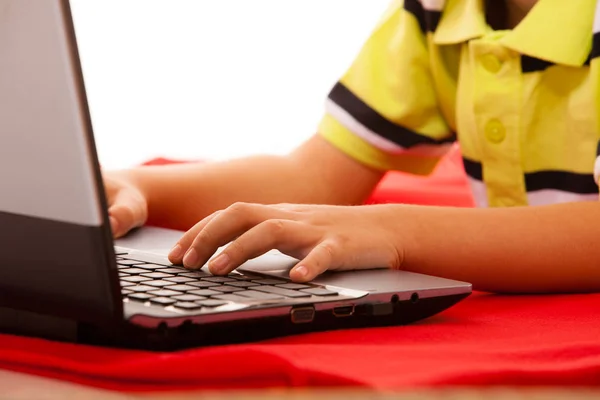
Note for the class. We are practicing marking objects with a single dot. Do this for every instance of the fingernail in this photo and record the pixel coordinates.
(220, 262)
(191, 258)
(300, 270)
(176, 252)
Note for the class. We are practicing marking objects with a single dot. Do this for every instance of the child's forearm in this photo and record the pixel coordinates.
(181, 195)
(527, 249)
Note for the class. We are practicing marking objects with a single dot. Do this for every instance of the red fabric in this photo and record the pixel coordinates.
(484, 340)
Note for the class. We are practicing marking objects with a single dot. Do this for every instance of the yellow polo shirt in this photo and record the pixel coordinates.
(523, 104)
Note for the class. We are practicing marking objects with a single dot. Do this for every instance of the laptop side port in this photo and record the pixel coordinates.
(343, 311)
(302, 315)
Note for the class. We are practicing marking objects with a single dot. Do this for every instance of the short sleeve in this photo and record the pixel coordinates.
(384, 110)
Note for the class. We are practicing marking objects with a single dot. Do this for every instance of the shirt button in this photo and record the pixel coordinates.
(494, 131)
(491, 63)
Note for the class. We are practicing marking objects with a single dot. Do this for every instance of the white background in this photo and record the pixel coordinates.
(213, 79)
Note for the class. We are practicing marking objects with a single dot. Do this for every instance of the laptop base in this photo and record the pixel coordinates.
(232, 332)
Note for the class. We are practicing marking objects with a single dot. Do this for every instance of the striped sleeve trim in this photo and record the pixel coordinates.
(564, 181)
(427, 12)
(371, 126)
(361, 150)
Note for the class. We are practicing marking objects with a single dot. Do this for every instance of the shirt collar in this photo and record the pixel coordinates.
(557, 31)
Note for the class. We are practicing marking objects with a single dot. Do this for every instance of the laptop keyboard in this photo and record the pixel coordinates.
(186, 289)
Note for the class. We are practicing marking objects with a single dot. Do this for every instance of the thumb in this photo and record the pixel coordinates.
(127, 211)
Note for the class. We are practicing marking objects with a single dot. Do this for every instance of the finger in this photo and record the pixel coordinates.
(285, 235)
(177, 252)
(224, 228)
(320, 259)
(127, 212)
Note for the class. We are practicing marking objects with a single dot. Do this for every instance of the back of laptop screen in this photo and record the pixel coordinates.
(52, 243)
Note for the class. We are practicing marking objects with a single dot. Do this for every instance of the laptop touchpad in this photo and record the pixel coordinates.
(374, 280)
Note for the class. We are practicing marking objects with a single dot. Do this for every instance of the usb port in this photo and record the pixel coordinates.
(344, 311)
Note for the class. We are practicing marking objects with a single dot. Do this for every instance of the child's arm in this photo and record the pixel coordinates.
(181, 195)
(545, 249)
(552, 248)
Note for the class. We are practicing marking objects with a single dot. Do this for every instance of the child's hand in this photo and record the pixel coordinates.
(127, 206)
(322, 237)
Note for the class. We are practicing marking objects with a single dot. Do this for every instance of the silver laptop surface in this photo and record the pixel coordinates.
(61, 275)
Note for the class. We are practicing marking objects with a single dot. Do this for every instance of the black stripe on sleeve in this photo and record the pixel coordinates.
(473, 169)
(428, 20)
(532, 64)
(559, 180)
(595, 46)
(378, 124)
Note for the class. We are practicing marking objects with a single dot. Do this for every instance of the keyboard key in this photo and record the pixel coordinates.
(125, 292)
(204, 284)
(283, 292)
(189, 297)
(241, 277)
(140, 296)
(164, 292)
(181, 279)
(203, 292)
(182, 288)
(320, 292)
(227, 289)
(121, 274)
(141, 288)
(254, 294)
(194, 274)
(187, 305)
(133, 271)
(159, 283)
(156, 275)
(151, 267)
(120, 252)
(211, 303)
(128, 262)
(242, 284)
(218, 279)
(171, 270)
(232, 297)
(269, 281)
(165, 301)
(126, 284)
(294, 286)
(134, 278)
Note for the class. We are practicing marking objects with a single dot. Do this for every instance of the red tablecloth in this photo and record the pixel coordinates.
(484, 340)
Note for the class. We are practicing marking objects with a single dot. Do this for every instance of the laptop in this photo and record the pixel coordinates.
(63, 277)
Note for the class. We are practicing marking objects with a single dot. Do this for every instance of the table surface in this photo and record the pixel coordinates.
(14, 385)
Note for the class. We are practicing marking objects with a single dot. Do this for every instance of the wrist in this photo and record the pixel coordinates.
(400, 231)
